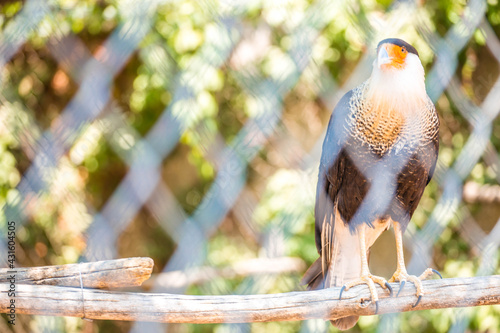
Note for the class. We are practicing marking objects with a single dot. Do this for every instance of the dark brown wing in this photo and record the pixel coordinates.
(412, 181)
(329, 182)
(331, 170)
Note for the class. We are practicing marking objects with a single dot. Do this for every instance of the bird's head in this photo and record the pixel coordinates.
(397, 73)
(395, 54)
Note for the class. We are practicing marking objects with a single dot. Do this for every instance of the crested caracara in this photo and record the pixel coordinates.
(379, 153)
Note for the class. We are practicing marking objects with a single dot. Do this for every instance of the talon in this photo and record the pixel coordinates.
(341, 291)
(401, 274)
(436, 272)
(401, 286)
(388, 286)
(418, 301)
(376, 307)
(370, 281)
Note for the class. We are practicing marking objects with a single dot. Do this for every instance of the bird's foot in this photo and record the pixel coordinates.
(402, 276)
(370, 280)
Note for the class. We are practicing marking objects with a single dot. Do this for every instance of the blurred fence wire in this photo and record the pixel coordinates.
(55, 152)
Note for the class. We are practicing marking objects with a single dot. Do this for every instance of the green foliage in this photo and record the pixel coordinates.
(182, 51)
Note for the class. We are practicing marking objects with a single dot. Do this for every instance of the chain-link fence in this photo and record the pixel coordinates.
(201, 123)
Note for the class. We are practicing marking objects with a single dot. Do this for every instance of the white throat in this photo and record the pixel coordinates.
(400, 89)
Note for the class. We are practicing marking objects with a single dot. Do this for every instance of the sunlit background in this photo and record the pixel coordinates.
(190, 132)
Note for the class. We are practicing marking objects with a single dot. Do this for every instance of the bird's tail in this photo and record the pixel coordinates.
(344, 265)
(345, 323)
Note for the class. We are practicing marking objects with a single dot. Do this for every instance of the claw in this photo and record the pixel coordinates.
(369, 280)
(341, 291)
(401, 286)
(436, 272)
(418, 301)
(388, 286)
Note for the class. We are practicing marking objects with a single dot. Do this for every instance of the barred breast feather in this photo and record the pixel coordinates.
(381, 126)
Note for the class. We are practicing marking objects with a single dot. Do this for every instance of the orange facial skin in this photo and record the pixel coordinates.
(394, 58)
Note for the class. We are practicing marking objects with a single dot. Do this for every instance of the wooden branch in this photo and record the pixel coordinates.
(99, 304)
(100, 274)
(203, 274)
(477, 193)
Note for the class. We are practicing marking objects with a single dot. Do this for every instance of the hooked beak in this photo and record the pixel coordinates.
(383, 57)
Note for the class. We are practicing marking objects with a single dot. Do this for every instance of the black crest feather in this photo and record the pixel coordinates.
(398, 42)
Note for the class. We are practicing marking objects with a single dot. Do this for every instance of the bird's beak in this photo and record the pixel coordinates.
(391, 57)
(383, 57)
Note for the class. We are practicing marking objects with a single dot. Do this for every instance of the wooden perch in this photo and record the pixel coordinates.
(100, 274)
(474, 193)
(99, 304)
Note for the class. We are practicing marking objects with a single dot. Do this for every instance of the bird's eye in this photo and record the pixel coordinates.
(403, 49)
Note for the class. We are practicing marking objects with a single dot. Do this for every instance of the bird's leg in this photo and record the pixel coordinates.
(401, 275)
(366, 277)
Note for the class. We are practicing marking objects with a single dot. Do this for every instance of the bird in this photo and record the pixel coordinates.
(378, 155)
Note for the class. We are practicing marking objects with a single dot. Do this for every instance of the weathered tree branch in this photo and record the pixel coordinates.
(99, 304)
(100, 274)
(474, 193)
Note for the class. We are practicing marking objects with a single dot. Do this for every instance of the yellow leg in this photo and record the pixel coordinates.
(401, 275)
(366, 277)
